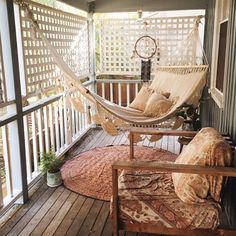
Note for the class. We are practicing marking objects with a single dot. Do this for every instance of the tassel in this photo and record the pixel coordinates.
(155, 138)
(118, 122)
(97, 119)
(136, 138)
(110, 128)
(178, 122)
(77, 105)
(88, 115)
(33, 32)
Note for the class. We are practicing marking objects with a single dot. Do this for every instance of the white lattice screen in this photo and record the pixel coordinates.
(68, 33)
(118, 36)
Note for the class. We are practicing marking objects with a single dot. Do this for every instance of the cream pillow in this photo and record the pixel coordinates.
(157, 105)
(166, 94)
(141, 99)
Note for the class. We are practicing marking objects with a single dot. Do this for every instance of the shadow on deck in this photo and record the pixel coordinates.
(59, 211)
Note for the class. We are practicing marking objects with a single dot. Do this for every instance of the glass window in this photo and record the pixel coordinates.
(219, 51)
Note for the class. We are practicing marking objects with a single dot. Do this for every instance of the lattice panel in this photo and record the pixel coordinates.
(118, 36)
(2, 78)
(69, 35)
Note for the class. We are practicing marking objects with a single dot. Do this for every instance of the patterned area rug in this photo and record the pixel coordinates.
(89, 173)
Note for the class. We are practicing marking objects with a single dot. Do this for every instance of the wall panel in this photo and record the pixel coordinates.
(224, 119)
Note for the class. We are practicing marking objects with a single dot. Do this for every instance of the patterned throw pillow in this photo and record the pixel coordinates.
(208, 148)
(157, 105)
(141, 99)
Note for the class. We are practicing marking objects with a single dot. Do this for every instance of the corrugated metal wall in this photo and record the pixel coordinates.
(224, 119)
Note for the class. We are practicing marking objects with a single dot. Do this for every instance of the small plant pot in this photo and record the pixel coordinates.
(54, 179)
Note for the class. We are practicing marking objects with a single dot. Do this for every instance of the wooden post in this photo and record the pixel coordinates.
(68, 120)
(27, 149)
(91, 46)
(17, 144)
(131, 145)
(103, 90)
(128, 94)
(7, 162)
(111, 92)
(34, 141)
(115, 201)
(119, 94)
(40, 132)
(51, 127)
(61, 125)
(57, 131)
(136, 89)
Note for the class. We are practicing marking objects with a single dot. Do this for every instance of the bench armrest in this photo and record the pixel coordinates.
(151, 131)
(178, 168)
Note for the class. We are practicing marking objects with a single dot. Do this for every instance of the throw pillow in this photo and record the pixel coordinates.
(157, 105)
(141, 99)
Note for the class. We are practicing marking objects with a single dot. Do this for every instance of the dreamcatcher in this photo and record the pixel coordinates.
(145, 48)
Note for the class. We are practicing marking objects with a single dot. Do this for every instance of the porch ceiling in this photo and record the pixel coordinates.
(133, 5)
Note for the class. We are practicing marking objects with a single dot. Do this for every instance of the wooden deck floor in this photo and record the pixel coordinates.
(58, 211)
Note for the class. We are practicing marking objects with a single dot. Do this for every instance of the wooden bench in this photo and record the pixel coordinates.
(179, 168)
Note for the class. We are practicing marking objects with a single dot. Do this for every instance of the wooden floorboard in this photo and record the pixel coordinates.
(19, 226)
(79, 219)
(101, 220)
(70, 216)
(34, 221)
(107, 231)
(22, 209)
(47, 218)
(57, 221)
(90, 218)
(59, 211)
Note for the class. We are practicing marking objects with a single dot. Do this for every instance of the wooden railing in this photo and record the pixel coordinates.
(49, 124)
(30, 72)
(52, 123)
(121, 92)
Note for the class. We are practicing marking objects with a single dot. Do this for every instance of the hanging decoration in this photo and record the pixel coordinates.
(145, 48)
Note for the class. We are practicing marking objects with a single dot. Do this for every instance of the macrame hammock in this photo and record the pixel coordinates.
(183, 82)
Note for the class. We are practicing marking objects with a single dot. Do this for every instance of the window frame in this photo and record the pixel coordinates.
(216, 94)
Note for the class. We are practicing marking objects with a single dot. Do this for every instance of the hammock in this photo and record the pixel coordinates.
(184, 82)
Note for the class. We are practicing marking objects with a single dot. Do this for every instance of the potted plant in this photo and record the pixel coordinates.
(51, 165)
(190, 116)
(191, 121)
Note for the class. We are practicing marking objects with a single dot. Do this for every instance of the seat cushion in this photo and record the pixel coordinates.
(208, 148)
(149, 197)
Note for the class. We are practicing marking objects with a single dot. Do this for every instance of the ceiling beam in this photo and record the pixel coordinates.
(105, 6)
(80, 4)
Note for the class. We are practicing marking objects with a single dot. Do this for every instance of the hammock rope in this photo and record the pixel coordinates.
(108, 114)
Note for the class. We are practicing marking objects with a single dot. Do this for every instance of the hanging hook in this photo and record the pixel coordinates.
(198, 21)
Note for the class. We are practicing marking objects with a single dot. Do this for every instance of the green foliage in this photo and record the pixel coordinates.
(49, 162)
(190, 115)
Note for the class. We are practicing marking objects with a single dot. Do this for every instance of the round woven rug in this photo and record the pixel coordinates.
(90, 173)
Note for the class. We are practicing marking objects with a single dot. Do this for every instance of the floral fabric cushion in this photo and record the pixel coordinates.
(208, 148)
(141, 99)
(149, 198)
